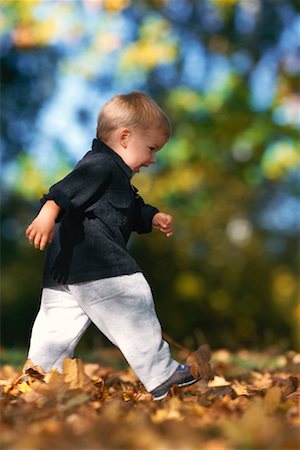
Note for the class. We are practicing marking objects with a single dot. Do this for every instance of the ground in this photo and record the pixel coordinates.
(252, 403)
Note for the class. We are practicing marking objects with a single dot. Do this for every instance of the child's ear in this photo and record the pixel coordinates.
(124, 137)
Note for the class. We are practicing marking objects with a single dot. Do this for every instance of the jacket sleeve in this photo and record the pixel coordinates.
(80, 187)
(143, 215)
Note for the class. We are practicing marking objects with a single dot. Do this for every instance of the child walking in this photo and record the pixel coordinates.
(87, 219)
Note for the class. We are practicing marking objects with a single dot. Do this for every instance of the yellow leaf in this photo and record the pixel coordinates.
(239, 388)
(218, 381)
(53, 377)
(23, 387)
(73, 373)
(272, 399)
(161, 415)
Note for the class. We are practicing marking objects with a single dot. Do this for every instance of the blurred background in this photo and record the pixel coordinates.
(227, 73)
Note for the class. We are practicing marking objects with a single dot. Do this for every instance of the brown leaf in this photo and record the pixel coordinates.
(215, 444)
(199, 362)
(218, 381)
(254, 429)
(34, 373)
(261, 380)
(129, 394)
(272, 399)
(73, 373)
(259, 409)
(12, 387)
(291, 386)
(217, 392)
(8, 372)
(35, 397)
(239, 388)
(76, 400)
(171, 411)
(54, 386)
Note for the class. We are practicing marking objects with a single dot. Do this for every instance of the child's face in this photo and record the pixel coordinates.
(142, 146)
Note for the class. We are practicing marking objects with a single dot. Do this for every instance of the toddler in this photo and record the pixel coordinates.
(87, 219)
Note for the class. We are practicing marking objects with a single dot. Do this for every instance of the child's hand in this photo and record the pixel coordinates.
(41, 229)
(163, 222)
(40, 232)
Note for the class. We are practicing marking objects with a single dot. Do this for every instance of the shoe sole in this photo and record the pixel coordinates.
(188, 383)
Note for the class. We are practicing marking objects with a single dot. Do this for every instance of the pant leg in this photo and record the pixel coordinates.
(123, 309)
(59, 325)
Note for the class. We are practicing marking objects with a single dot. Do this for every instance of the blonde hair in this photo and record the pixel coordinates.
(132, 110)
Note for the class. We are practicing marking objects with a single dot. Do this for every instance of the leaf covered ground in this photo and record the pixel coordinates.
(252, 403)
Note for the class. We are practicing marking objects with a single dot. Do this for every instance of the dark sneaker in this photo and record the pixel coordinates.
(181, 377)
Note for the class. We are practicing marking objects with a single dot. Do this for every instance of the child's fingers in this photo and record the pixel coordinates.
(31, 236)
(43, 242)
(37, 240)
(163, 222)
(167, 231)
(28, 230)
(165, 226)
(168, 220)
(160, 222)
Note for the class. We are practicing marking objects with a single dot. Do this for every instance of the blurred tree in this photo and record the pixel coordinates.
(227, 72)
(28, 80)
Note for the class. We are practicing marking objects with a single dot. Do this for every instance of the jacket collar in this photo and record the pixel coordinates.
(100, 146)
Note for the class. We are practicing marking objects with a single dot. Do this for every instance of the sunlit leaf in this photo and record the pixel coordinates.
(73, 373)
(199, 362)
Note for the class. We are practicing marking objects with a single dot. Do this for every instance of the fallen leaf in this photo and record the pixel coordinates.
(218, 381)
(215, 444)
(8, 372)
(24, 387)
(73, 373)
(129, 394)
(76, 400)
(291, 386)
(199, 362)
(111, 408)
(239, 388)
(170, 412)
(261, 380)
(272, 399)
(214, 393)
(34, 373)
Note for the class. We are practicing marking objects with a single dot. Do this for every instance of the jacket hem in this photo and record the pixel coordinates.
(46, 283)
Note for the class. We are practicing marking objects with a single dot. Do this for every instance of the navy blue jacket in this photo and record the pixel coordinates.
(99, 210)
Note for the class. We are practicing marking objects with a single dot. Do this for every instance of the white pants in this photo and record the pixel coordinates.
(121, 307)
